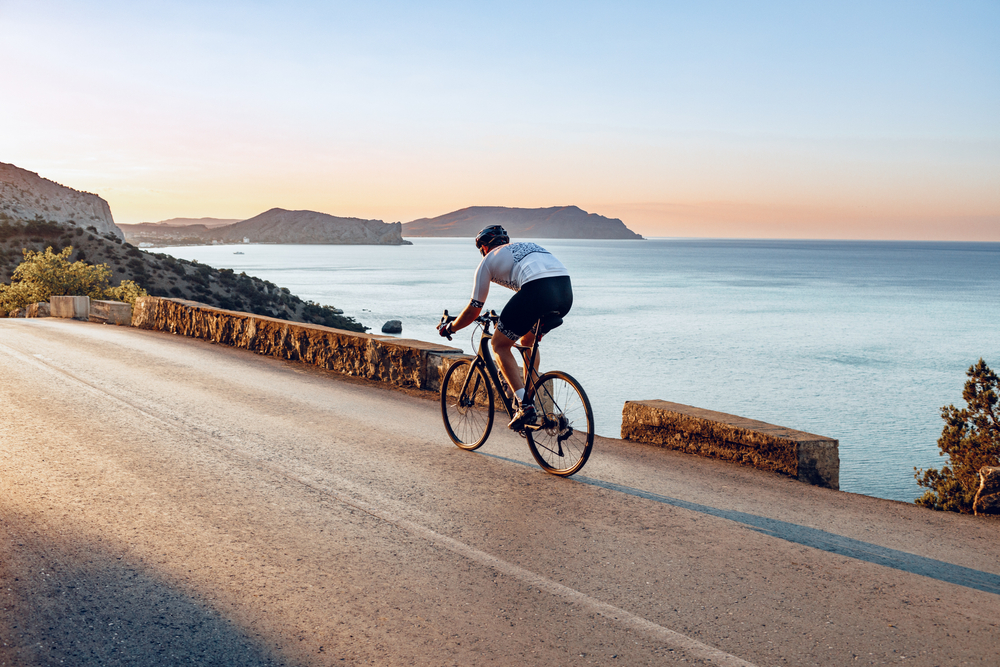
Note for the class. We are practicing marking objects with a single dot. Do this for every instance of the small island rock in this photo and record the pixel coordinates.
(392, 327)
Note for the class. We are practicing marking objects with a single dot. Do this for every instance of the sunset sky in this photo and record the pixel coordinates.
(873, 120)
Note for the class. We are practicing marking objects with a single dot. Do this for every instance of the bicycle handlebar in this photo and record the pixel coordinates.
(446, 319)
(486, 318)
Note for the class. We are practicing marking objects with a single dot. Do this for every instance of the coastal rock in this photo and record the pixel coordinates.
(27, 197)
(557, 222)
(392, 327)
(988, 496)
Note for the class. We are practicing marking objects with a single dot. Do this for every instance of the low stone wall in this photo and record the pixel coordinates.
(402, 362)
(807, 457)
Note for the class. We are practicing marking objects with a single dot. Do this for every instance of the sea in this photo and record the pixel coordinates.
(860, 341)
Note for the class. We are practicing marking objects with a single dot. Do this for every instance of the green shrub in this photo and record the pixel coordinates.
(45, 274)
(971, 439)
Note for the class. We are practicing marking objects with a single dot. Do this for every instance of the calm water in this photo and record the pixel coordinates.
(859, 341)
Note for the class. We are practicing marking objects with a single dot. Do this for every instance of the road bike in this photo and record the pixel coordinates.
(561, 438)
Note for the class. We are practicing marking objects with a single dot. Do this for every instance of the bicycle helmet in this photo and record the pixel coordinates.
(491, 236)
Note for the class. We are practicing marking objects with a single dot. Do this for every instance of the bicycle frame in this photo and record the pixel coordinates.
(485, 357)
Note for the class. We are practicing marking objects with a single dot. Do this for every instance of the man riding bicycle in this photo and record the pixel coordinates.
(543, 286)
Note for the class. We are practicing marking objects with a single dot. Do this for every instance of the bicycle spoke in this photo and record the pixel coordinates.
(563, 440)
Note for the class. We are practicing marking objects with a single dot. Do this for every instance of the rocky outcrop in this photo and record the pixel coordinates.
(274, 226)
(557, 222)
(988, 496)
(27, 197)
(393, 327)
(405, 363)
(281, 226)
(807, 457)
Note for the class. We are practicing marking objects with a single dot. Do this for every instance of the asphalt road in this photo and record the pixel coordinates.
(164, 501)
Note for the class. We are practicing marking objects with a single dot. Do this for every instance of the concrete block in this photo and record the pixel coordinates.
(110, 312)
(810, 458)
(75, 307)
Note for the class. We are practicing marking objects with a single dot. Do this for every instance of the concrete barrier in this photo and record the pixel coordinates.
(810, 458)
(110, 312)
(401, 362)
(75, 307)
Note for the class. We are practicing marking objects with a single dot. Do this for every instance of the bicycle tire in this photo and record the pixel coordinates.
(468, 418)
(562, 443)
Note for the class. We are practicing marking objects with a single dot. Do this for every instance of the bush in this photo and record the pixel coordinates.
(971, 439)
(44, 274)
(127, 291)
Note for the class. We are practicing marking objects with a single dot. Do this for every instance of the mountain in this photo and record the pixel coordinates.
(557, 222)
(181, 222)
(281, 226)
(27, 197)
(274, 226)
(165, 233)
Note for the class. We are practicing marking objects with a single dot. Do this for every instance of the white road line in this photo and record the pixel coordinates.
(376, 508)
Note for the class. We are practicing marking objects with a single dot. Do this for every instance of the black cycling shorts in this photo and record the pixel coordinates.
(534, 299)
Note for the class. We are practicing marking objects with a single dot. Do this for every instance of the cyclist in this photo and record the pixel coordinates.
(542, 284)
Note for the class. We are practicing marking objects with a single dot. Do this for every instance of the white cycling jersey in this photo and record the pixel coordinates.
(513, 265)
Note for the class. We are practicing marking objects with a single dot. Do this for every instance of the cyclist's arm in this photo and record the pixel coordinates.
(467, 316)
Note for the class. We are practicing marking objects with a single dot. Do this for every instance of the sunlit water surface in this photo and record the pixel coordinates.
(859, 341)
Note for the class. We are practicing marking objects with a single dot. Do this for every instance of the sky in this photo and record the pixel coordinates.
(841, 120)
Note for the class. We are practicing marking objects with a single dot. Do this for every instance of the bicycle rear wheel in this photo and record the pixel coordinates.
(467, 404)
(565, 434)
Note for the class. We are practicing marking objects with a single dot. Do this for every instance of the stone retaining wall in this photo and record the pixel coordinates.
(807, 457)
(402, 362)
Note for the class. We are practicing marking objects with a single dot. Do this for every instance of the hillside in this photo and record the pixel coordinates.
(560, 222)
(36, 213)
(274, 226)
(27, 197)
(163, 275)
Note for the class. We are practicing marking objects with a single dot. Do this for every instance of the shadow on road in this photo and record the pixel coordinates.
(74, 602)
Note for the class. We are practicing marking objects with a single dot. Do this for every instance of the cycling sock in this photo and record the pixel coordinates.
(519, 394)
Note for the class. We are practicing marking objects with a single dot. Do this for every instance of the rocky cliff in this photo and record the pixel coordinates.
(27, 197)
(558, 222)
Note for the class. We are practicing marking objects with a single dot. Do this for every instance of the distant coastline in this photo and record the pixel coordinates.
(310, 227)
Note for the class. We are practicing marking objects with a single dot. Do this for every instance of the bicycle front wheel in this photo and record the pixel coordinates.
(565, 434)
(467, 404)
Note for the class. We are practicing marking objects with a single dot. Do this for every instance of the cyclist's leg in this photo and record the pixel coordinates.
(519, 316)
(527, 340)
(502, 347)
